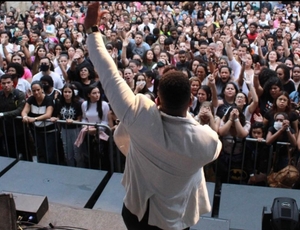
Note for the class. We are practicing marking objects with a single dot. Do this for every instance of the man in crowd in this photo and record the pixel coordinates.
(12, 102)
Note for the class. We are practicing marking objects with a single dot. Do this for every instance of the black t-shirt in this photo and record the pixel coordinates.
(69, 111)
(85, 88)
(293, 116)
(289, 87)
(264, 105)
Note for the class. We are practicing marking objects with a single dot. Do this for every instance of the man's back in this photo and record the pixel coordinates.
(165, 154)
(164, 165)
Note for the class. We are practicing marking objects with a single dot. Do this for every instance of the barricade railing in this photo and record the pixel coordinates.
(256, 158)
(23, 141)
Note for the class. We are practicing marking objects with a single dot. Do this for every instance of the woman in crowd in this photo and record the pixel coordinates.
(95, 111)
(283, 73)
(228, 96)
(282, 103)
(258, 154)
(149, 59)
(63, 66)
(38, 108)
(69, 110)
(17, 71)
(17, 58)
(141, 86)
(152, 81)
(193, 66)
(270, 90)
(206, 116)
(71, 53)
(57, 50)
(39, 53)
(195, 83)
(86, 78)
(156, 48)
(232, 130)
(281, 131)
(128, 76)
(242, 100)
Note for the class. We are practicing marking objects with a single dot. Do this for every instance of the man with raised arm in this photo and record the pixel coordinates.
(165, 147)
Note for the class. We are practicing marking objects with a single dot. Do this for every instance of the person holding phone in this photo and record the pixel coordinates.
(164, 182)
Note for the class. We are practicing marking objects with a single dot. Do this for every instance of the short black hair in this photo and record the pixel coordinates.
(6, 76)
(168, 41)
(47, 79)
(174, 90)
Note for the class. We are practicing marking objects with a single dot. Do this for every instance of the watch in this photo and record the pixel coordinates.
(35, 119)
(92, 29)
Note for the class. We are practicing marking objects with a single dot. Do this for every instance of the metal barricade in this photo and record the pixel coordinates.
(22, 141)
(252, 157)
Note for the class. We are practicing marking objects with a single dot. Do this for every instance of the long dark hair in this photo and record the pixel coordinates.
(99, 102)
(288, 109)
(62, 98)
(241, 115)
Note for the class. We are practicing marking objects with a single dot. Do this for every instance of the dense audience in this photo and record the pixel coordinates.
(242, 59)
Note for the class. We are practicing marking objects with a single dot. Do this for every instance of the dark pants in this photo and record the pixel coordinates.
(46, 144)
(132, 223)
(97, 156)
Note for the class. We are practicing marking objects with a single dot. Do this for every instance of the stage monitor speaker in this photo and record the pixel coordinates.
(8, 218)
(30, 208)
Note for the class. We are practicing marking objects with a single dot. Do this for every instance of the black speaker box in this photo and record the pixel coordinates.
(30, 208)
(8, 219)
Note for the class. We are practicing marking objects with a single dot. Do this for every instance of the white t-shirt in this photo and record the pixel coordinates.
(59, 72)
(23, 85)
(58, 83)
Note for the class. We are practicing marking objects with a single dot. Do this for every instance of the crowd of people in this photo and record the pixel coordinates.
(242, 61)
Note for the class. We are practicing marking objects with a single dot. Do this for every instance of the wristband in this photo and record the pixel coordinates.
(92, 29)
(236, 119)
(24, 117)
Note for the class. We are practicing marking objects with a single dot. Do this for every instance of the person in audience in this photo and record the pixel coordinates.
(69, 110)
(282, 103)
(141, 87)
(206, 116)
(232, 130)
(37, 109)
(281, 131)
(241, 100)
(63, 67)
(228, 96)
(16, 70)
(18, 58)
(283, 73)
(95, 111)
(46, 68)
(258, 154)
(12, 102)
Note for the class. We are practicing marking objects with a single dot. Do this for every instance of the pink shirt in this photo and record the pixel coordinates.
(27, 74)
